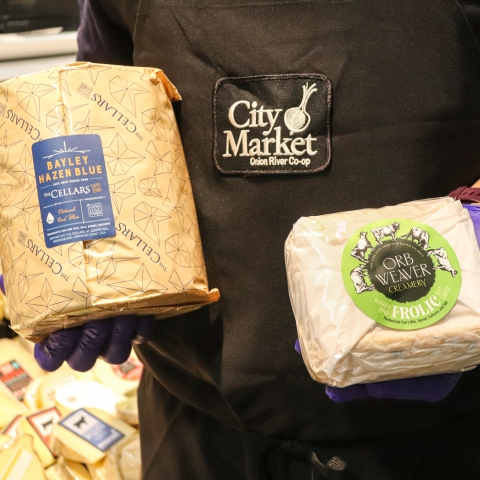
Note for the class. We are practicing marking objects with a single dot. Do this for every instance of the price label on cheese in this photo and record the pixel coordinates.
(15, 378)
(42, 423)
(91, 429)
(401, 273)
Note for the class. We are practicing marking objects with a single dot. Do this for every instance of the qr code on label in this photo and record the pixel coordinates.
(95, 210)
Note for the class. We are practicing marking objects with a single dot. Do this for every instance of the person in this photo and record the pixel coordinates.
(389, 112)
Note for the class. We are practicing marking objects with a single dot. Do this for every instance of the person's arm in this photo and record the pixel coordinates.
(103, 35)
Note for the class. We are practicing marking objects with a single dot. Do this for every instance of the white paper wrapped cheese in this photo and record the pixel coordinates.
(154, 263)
(341, 345)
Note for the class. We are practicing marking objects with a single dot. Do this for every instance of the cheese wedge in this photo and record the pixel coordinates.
(20, 462)
(87, 434)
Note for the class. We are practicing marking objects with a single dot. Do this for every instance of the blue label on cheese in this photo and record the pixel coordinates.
(73, 189)
(91, 429)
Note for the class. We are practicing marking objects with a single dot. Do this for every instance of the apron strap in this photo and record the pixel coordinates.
(293, 460)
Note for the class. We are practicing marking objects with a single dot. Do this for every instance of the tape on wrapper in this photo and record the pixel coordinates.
(154, 264)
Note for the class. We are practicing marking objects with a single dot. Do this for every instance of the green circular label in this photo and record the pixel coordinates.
(401, 273)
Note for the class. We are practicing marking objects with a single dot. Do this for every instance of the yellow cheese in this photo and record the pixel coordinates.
(67, 470)
(9, 408)
(30, 399)
(57, 472)
(98, 471)
(124, 378)
(18, 368)
(76, 470)
(19, 461)
(39, 426)
(11, 428)
(88, 433)
(6, 442)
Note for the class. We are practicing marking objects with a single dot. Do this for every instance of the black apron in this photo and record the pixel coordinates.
(396, 116)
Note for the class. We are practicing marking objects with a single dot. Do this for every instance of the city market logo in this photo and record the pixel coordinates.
(272, 124)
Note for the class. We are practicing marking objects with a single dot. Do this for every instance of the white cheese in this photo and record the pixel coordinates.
(340, 344)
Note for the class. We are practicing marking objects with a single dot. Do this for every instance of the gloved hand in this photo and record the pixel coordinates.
(80, 347)
(431, 388)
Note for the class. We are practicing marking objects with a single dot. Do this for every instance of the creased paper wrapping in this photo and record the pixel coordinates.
(341, 345)
(154, 264)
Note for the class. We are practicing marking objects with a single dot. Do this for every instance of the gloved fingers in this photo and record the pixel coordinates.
(117, 348)
(52, 352)
(432, 388)
(347, 394)
(298, 349)
(2, 284)
(145, 326)
(89, 345)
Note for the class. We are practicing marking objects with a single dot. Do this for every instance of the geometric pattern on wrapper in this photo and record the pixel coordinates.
(24, 281)
(29, 97)
(148, 220)
(148, 187)
(107, 264)
(48, 301)
(94, 70)
(125, 92)
(80, 288)
(142, 285)
(55, 75)
(183, 284)
(85, 127)
(176, 249)
(25, 208)
(6, 234)
(6, 147)
(162, 180)
(153, 122)
(23, 171)
(58, 119)
(58, 249)
(119, 158)
(163, 162)
(121, 191)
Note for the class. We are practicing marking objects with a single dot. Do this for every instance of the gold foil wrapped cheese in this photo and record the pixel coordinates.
(154, 263)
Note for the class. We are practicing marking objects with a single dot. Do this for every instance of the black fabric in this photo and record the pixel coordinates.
(224, 385)
(103, 35)
(179, 441)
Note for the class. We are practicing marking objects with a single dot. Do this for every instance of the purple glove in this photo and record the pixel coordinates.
(80, 347)
(432, 388)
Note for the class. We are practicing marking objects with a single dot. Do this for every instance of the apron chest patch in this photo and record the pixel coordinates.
(272, 124)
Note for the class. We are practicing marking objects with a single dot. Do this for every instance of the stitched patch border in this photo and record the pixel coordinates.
(297, 119)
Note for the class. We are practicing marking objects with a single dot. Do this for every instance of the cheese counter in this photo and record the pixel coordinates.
(67, 425)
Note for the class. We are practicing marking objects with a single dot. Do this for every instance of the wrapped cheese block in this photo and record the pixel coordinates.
(96, 208)
(382, 294)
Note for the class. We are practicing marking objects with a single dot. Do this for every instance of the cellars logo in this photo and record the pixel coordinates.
(274, 124)
(401, 273)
